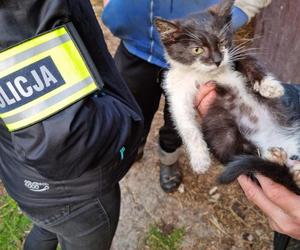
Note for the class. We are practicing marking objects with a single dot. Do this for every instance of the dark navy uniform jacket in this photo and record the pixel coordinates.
(96, 137)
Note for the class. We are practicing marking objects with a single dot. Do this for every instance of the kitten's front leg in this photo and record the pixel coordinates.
(265, 84)
(184, 115)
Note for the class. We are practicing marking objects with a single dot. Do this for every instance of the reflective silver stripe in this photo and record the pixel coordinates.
(22, 56)
(27, 113)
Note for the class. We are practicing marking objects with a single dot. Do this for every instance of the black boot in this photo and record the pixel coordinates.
(170, 177)
(170, 174)
(284, 242)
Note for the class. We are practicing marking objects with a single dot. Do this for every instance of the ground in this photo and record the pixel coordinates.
(211, 217)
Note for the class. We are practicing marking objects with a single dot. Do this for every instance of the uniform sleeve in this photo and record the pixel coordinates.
(251, 7)
(239, 18)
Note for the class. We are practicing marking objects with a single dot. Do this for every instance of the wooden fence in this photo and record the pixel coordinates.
(277, 35)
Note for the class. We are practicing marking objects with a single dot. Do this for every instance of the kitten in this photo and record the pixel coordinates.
(246, 128)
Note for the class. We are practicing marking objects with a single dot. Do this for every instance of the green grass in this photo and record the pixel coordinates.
(12, 224)
(160, 239)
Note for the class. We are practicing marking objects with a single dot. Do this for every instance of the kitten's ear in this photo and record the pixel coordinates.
(166, 28)
(223, 9)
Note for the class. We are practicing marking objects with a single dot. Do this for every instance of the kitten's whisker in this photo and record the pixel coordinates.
(222, 34)
(225, 29)
(245, 56)
(247, 52)
(241, 44)
(247, 39)
(222, 30)
(242, 49)
(238, 59)
(192, 35)
(250, 49)
(236, 50)
(240, 52)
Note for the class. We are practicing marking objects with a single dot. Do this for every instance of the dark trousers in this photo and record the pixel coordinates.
(144, 80)
(87, 225)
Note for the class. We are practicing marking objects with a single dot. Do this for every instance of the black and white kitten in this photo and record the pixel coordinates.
(247, 127)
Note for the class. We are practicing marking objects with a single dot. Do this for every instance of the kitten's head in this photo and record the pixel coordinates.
(202, 40)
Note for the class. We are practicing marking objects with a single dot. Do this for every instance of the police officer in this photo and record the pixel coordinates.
(69, 126)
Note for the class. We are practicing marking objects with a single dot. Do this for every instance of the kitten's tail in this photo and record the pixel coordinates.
(249, 165)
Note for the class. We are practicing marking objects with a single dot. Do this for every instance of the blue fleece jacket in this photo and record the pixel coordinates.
(133, 22)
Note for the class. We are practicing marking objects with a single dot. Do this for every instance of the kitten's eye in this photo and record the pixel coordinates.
(198, 50)
(222, 44)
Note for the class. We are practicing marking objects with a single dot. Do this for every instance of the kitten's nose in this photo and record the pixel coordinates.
(218, 62)
(217, 59)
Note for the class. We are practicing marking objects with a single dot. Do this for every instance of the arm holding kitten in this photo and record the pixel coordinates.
(281, 206)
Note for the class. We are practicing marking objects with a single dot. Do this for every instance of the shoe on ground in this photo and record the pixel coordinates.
(170, 177)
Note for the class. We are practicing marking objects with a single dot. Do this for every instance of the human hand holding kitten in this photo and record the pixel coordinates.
(205, 97)
(281, 206)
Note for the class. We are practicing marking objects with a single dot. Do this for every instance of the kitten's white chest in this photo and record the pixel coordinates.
(264, 130)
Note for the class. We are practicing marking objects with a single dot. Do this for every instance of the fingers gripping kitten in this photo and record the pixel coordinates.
(293, 164)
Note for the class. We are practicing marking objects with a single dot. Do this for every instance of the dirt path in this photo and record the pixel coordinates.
(214, 217)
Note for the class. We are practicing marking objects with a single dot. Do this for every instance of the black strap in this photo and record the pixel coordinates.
(281, 241)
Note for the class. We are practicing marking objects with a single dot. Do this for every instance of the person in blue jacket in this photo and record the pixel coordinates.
(140, 59)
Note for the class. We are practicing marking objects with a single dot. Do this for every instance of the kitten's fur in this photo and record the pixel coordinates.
(247, 119)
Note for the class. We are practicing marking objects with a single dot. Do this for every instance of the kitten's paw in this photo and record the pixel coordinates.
(269, 87)
(200, 163)
(295, 171)
(277, 155)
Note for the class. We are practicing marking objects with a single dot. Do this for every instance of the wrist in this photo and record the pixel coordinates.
(251, 7)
